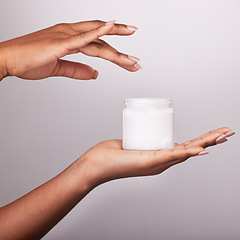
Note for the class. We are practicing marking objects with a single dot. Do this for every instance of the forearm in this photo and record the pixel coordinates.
(33, 215)
(3, 68)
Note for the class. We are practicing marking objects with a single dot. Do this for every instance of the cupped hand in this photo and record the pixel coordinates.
(38, 55)
(107, 160)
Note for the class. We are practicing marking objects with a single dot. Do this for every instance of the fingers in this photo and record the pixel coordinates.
(74, 70)
(101, 49)
(132, 68)
(155, 162)
(82, 39)
(218, 131)
(118, 29)
(178, 155)
(88, 42)
(211, 138)
(175, 155)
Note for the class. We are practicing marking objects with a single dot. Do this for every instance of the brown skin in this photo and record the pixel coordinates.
(37, 56)
(36, 213)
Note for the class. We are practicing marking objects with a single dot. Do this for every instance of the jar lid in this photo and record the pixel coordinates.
(148, 102)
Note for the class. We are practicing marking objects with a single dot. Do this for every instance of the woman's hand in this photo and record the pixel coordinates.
(38, 55)
(33, 215)
(107, 160)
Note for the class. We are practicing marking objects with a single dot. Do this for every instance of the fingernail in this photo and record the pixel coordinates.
(229, 134)
(110, 22)
(134, 58)
(219, 139)
(138, 66)
(95, 74)
(132, 28)
(203, 153)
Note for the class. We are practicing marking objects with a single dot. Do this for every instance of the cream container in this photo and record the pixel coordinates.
(148, 124)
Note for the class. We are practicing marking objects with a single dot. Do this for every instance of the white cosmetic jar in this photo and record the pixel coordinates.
(148, 124)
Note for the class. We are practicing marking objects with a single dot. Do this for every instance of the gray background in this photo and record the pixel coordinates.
(190, 52)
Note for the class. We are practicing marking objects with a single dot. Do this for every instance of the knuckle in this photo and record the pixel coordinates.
(82, 36)
(203, 141)
(118, 26)
(98, 22)
(116, 56)
(61, 27)
(98, 45)
(206, 142)
(225, 129)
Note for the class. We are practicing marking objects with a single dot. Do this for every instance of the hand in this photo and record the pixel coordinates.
(107, 161)
(38, 55)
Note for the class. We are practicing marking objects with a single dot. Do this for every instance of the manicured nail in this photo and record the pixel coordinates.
(138, 66)
(132, 28)
(110, 22)
(203, 153)
(229, 134)
(220, 139)
(95, 74)
(134, 58)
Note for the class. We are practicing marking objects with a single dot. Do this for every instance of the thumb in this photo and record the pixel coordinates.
(74, 70)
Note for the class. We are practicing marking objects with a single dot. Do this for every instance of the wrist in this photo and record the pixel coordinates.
(87, 173)
(80, 177)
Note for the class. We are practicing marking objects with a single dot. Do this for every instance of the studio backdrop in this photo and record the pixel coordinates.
(190, 52)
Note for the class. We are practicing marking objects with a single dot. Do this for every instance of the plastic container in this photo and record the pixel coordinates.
(148, 124)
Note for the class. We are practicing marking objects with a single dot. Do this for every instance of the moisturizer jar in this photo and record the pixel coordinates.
(148, 124)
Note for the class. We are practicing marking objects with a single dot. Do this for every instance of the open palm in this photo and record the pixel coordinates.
(107, 160)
